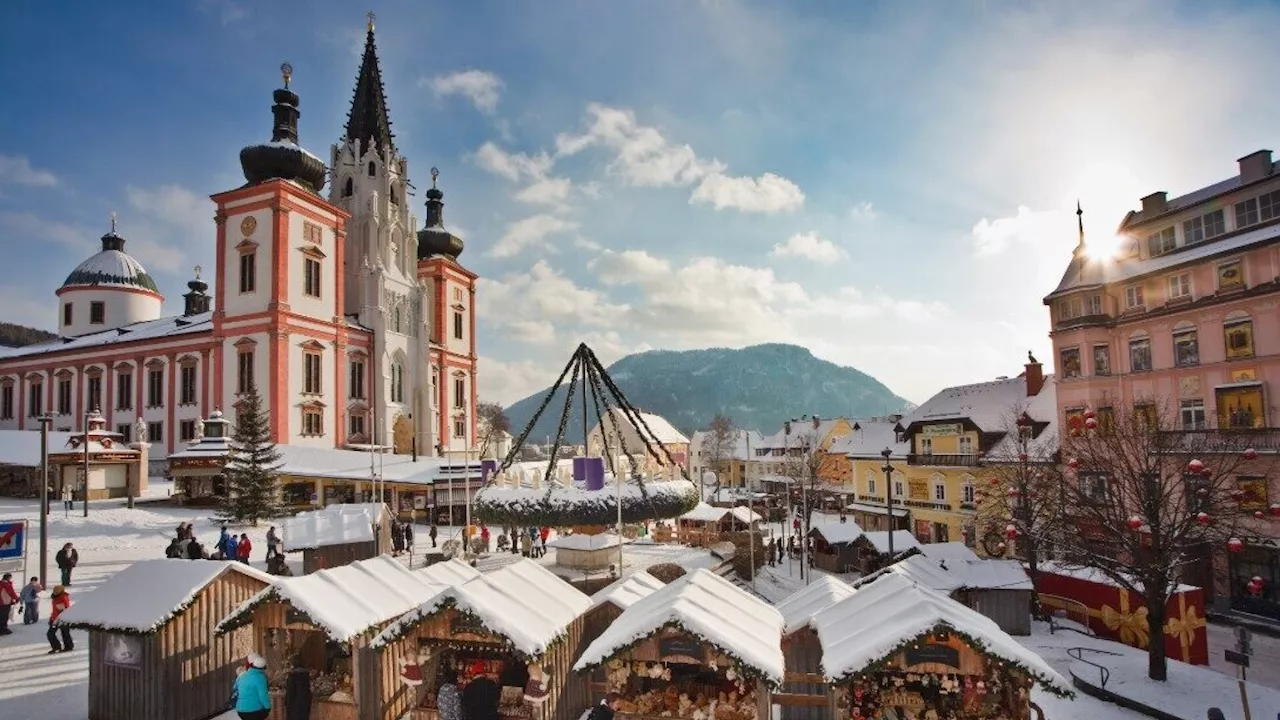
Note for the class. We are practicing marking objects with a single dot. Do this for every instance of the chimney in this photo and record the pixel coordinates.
(1035, 377)
(1155, 203)
(1255, 166)
(196, 301)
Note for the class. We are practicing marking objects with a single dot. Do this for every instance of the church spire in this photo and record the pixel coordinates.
(368, 121)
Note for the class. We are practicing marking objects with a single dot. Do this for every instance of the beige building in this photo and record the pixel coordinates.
(617, 431)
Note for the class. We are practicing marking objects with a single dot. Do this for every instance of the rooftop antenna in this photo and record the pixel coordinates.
(113, 222)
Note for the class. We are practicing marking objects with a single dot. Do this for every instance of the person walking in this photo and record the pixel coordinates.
(67, 558)
(220, 550)
(30, 597)
(243, 549)
(230, 548)
(68, 497)
(297, 691)
(481, 697)
(397, 537)
(60, 600)
(8, 598)
(448, 701)
(252, 700)
(432, 534)
(273, 543)
(484, 537)
(408, 537)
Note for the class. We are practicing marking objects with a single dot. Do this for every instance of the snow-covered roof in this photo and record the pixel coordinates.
(705, 513)
(111, 268)
(322, 528)
(22, 447)
(289, 146)
(989, 405)
(164, 327)
(1042, 408)
(582, 541)
(624, 592)
(948, 551)
(991, 574)
(799, 609)
(709, 607)
(522, 602)
(902, 540)
(836, 532)
(349, 601)
(665, 432)
(354, 465)
(878, 619)
(149, 593)
(918, 569)
(1092, 575)
(869, 437)
(744, 514)
(802, 432)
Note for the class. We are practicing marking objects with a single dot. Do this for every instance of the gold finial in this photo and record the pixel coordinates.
(371, 17)
(198, 268)
(435, 173)
(113, 222)
(286, 70)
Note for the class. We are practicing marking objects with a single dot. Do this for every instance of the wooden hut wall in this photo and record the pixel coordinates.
(332, 556)
(804, 692)
(382, 535)
(185, 672)
(1010, 609)
(596, 620)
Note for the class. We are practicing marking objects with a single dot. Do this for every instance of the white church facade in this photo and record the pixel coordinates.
(356, 327)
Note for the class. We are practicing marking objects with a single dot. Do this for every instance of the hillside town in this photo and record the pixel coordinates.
(291, 500)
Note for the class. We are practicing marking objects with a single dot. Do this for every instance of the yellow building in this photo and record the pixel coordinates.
(617, 434)
(774, 461)
(732, 467)
(938, 452)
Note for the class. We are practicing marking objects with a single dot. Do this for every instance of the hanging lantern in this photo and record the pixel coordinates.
(1135, 522)
(1235, 545)
(1195, 467)
(1074, 463)
(1011, 532)
(1090, 424)
(1250, 454)
(1202, 518)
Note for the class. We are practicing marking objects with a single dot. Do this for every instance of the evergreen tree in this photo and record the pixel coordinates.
(252, 466)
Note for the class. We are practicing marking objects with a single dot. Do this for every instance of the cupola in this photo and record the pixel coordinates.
(109, 290)
(283, 158)
(433, 239)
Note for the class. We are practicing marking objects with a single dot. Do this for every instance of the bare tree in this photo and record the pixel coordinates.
(721, 439)
(1143, 499)
(805, 458)
(493, 424)
(1019, 501)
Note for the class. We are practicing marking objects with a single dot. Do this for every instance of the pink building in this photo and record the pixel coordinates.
(1184, 319)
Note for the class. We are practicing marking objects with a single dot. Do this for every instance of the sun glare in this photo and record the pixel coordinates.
(1106, 191)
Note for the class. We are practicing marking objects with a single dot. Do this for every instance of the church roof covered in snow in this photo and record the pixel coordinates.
(158, 329)
(112, 267)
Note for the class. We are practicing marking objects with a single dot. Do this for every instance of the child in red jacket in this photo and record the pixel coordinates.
(243, 548)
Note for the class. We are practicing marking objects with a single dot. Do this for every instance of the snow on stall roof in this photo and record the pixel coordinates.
(711, 608)
(624, 592)
(948, 551)
(918, 569)
(1094, 576)
(582, 541)
(149, 593)
(705, 513)
(902, 540)
(745, 514)
(868, 626)
(799, 609)
(173, 325)
(836, 532)
(522, 602)
(22, 447)
(350, 600)
(354, 465)
(321, 528)
(991, 574)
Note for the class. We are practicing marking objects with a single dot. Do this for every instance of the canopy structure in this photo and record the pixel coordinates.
(708, 607)
(863, 631)
(556, 503)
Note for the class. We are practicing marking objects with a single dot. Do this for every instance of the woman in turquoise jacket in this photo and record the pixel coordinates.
(251, 697)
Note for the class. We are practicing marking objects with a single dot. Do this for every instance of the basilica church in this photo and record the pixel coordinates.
(354, 325)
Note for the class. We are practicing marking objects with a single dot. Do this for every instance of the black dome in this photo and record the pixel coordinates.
(435, 240)
(282, 157)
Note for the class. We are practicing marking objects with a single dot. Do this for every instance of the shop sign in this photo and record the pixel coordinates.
(902, 699)
(681, 649)
(123, 651)
(940, 430)
(419, 502)
(315, 498)
(918, 489)
(933, 653)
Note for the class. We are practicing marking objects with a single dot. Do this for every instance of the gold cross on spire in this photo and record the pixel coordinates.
(371, 17)
(286, 71)
(113, 222)
(198, 268)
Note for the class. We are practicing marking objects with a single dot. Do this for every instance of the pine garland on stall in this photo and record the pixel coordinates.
(405, 625)
(252, 466)
(748, 671)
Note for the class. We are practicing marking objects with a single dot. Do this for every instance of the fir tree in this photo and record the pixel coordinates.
(252, 466)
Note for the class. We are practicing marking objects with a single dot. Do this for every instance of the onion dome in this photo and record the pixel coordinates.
(433, 239)
(283, 158)
(111, 267)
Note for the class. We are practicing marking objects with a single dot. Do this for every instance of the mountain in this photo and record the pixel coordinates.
(12, 335)
(760, 387)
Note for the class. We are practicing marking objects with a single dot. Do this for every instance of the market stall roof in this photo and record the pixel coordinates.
(745, 514)
(582, 541)
(349, 601)
(626, 591)
(523, 602)
(705, 513)
(991, 574)
(948, 551)
(148, 594)
(918, 569)
(902, 540)
(322, 528)
(881, 618)
(838, 533)
(798, 609)
(709, 607)
(1094, 576)
(313, 462)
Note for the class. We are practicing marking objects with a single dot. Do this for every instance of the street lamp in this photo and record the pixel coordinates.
(45, 422)
(84, 489)
(888, 493)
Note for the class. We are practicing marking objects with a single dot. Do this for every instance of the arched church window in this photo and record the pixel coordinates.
(373, 170)
(348, 189)
(395, 199)
(395, 319)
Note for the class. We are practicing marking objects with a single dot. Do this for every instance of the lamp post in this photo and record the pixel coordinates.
(1021, 505)
(888, 493)
(45, 422)
(84, 489)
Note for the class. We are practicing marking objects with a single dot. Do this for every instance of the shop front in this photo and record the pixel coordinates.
(1255, 577)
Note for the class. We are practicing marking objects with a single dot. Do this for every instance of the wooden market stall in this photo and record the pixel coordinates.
(804, 694)
(873, 552)
(325, 618)
(698, 647)
(999, 589)
(153, 654)
(700, 527)
(895, 644)
(835, 548)
(338, 534)
(612, 600)
(520, 624)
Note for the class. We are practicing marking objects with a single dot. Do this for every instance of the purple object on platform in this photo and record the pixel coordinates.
(579, 470)
(487, 468)
(595, 472)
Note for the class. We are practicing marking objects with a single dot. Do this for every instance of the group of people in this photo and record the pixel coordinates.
(27, 601)
(251, 694)
(479, 699)
(402, 537)
(530, 542)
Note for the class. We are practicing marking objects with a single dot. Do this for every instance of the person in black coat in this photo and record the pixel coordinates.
(408, 537)
(481, 698)
(67, 559)
(297, 693)
(607, 707)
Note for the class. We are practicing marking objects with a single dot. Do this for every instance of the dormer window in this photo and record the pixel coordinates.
(1205, 227)
(1133, 297)
(1162, 242)
(1093, 304)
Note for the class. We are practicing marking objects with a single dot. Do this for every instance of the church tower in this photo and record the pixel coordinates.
(370, 182)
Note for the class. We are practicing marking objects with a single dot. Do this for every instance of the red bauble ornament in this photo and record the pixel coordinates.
(1250, 454)
(994, 482)
(1088, 415)
(1013, 492)
(1202, 518)
(1235, 545)
(1237, 495)
(1135, 522)
(1073, 463)
(1090, 424)
(1011, 532)
(1195, 467)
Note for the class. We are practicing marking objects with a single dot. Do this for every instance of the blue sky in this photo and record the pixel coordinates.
(891, 184)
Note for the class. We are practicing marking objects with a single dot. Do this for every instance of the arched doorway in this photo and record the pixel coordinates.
(402, 435)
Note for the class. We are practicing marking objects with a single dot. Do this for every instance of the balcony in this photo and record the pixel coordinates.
(943, 460)
(1219, 441)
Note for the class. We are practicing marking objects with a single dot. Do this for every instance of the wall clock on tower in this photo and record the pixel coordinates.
(248, 225)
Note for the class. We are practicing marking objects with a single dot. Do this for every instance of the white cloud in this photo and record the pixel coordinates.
(507, 382)
(17, 170)
(643, 157)
(512, 166)
(547, 191)
(863, 211)
(170, 228)
(484, 89)
(543, 295)
(29, 226)
(808, 245)
(529, 232)
(992, 237)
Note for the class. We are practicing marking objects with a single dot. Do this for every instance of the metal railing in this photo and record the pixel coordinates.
(1103, 673)
(1072, 610)
(1227, 441)
(943, 460)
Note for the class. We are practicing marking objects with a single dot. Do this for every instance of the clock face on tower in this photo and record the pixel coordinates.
(248, 225)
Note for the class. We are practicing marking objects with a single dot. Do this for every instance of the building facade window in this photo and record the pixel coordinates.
(1069, 309)
(356, 380)
(125, 431)
(1238, 337)
(244, 371)
(155, 388)
(939, 492)
(1247, 213)
(1133, 297)
(97, 312)
(1269, 206)
(68, 313)
(1101, 359)
(1146, 416)
(1106, 421)
(871, 485)
(311, 277)
(35, 402)
(898, 489)
(1240, 407)
(1186, 348)
(1140, 355)
(312, 421)
(460, 428)
(1180, 286)
(397, 383)
(311, 375)
(457, 325)
(93, 393)
(64, 397)
(155, 432)
(1207, 226)
(1071, 363)
(459, 392)
(966, 445)
(248, 272)
(6, 402)
(312, 233)
(1093, 486)
(1192, 415)
(966, 493)
(926, 446)
(187, 385)
(124, 390)
(355, 424)
(1162, 242)
(1093, 304)
(186, 430)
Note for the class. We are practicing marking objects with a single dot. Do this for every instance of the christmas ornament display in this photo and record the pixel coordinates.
(1235, 545)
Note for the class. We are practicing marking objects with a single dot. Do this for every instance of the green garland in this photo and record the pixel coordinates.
(976, 643)
(749, 671)
(570, 506)
(403, 627)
